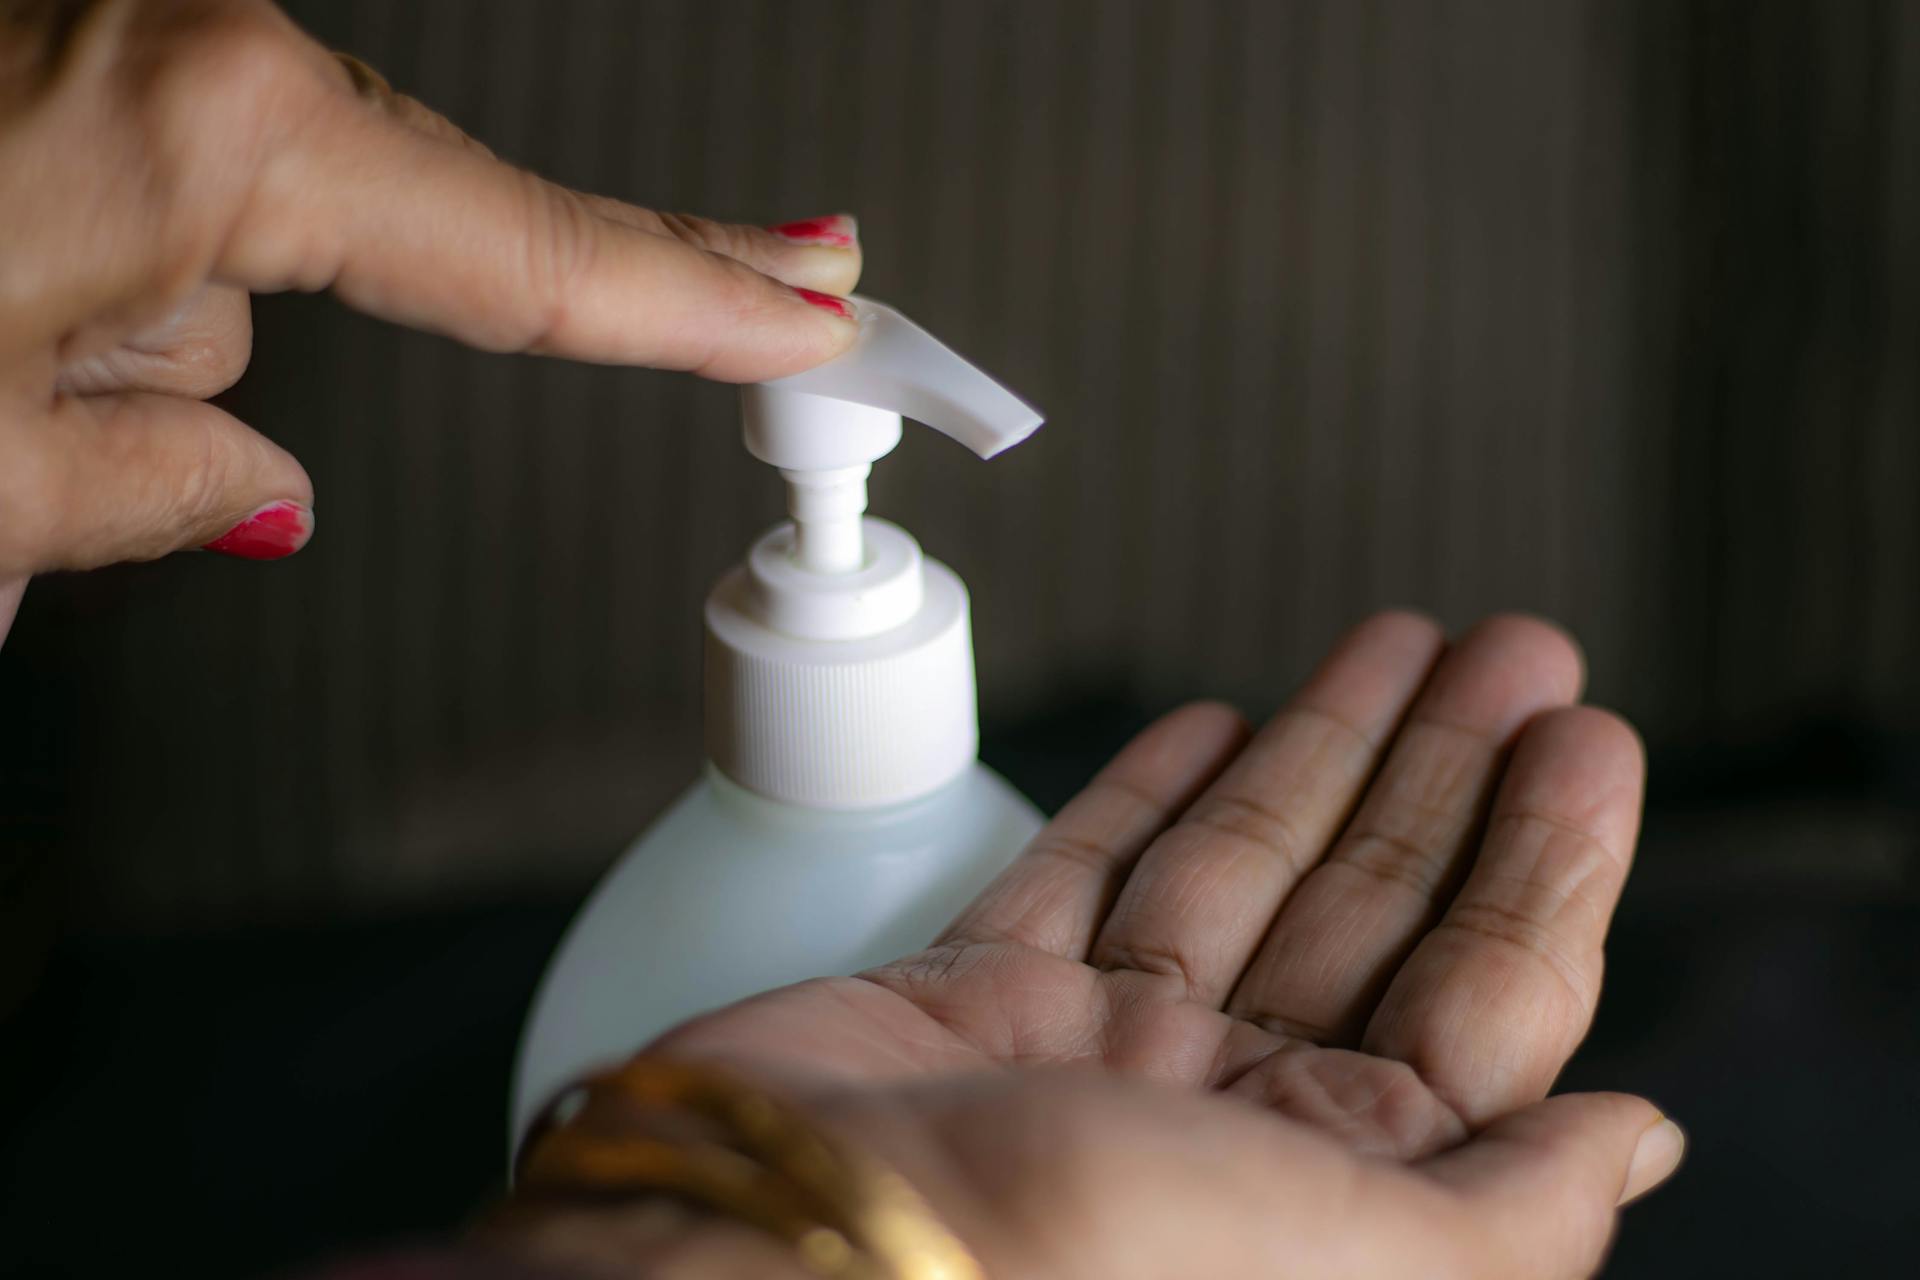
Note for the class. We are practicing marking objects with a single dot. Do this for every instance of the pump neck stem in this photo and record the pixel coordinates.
(826, 507)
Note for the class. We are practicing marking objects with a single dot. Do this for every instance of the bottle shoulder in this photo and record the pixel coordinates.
(719, 900)
(718, 814)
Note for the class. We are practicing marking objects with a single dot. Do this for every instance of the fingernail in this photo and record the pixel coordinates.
(837, 230)
(827, 302)
(275, 530)
(1655, 1159)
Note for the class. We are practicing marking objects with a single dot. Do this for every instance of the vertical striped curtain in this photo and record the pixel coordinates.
(1604, 310)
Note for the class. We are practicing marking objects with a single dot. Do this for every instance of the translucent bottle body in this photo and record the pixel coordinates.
(729, 894)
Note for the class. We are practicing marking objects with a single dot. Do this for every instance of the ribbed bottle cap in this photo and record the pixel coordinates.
(847, 723)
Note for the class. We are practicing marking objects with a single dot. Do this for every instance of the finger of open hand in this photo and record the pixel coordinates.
(1054, 895)
(98, 479)
(1347, 928)
(1495, 998)
(1205, 892)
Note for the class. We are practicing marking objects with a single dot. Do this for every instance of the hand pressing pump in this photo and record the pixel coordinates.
(843, 817)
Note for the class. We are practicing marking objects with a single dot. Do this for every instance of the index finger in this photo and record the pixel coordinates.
(445, 238)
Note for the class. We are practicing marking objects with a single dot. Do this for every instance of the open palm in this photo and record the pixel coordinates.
(1379, 918)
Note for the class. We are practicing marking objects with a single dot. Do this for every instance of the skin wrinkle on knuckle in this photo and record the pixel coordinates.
(1489, 922)
(1416, 1115)
(201, 491)
(560, 247)
(1545, 900)
(1556, 824)
(1295, 1089)
(1386, 1099)
(198, 368)
(1022, 930)
(1392, 860)
(1035, 910)
(1467, 747)
(727, 239)
(1567, 870)
(1078, 852)
(1586, 880)
(940, 965)
(629, 215)
(1311, 714)
(1090, 810)
(1156, 960)
(680, 227)
(1229, 830)
(1136, 802)
(734, 241)
(1437, 776)
(1245, 812)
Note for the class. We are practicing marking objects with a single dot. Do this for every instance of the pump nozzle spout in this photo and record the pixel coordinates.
(848, 410)
(824, 427)
(896, 366)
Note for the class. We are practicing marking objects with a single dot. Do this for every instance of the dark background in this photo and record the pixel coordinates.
(1603, 310)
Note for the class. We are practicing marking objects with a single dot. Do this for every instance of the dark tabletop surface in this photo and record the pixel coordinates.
(245, 1103)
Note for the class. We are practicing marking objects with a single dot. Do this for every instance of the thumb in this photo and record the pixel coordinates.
(1544, 1182)
(98, 479)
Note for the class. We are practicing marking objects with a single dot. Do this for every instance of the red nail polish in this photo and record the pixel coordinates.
(275, 530)
(836, 232)
(827, 302)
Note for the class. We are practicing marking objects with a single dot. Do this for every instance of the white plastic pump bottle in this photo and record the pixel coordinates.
(842, 818)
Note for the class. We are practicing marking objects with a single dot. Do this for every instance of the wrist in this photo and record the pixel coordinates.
(611, 1176)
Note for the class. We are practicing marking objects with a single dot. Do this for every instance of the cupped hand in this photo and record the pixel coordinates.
(1287, 1003)
(161, 160)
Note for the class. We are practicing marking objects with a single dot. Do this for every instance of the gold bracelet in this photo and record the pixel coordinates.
(847, 1215)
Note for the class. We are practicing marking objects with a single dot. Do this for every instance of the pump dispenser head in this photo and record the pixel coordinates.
(898, 369)
(839, 660)
(825, 427)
